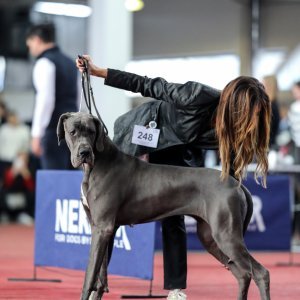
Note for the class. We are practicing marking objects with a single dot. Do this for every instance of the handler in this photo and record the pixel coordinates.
(192, 118)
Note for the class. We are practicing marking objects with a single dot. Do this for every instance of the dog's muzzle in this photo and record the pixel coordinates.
(84, 155)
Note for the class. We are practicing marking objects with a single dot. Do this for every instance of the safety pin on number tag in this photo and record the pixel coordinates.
(145, 136)
(152, 124)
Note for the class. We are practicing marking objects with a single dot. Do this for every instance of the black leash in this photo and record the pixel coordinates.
(88, 91)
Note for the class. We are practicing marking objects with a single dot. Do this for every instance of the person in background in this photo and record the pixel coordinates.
(294, 123)
(271, 86)
(193, 117)
(14, 138)
(294, 120)
(3, 112)
(55, 80)
(19, 179)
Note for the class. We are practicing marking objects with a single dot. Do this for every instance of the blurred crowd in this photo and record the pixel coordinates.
(17, 169)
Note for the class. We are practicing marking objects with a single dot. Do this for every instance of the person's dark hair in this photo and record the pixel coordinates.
(243, 127)
(46, 32)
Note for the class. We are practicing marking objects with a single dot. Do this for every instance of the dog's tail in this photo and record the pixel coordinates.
(249, 210)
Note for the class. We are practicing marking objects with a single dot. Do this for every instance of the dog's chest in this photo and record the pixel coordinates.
(84, 199)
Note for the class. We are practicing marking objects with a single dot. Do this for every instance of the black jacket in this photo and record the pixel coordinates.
(184, 112)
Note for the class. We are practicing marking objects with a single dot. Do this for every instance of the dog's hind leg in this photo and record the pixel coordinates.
(243, 266)
(206, 238)
(242, 272)
(261, 277)
(239, 263)
(204, 235)
(240, 266)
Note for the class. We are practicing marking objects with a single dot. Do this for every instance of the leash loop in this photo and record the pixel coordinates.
(88, 91)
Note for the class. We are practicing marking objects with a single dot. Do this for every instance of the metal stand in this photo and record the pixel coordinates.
(34, 278)
(290, 263)
(149, 296)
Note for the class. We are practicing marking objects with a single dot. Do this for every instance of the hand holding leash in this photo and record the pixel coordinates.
(85, 66)
(84, 63)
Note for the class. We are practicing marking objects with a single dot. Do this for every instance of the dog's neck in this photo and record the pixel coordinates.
(86, 168)
(110, 149)
(87, 171)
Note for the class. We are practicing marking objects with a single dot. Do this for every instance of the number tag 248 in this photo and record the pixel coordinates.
(145, 136)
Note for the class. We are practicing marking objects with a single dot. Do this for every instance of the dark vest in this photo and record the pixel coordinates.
(65, 84)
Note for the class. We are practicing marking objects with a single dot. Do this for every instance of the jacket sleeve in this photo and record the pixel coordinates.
(187, 94)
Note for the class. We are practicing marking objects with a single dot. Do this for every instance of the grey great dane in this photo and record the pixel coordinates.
(119, 189)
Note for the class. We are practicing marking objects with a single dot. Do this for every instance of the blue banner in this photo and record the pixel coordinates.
(270, 226)
(133, 253)
(63, 234)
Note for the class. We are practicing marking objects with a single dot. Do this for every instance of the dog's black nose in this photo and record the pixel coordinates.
(84, 152)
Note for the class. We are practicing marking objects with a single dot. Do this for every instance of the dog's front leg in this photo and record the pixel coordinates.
(102, 285)
(100, 237)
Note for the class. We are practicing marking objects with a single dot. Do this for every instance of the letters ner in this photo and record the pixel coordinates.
(71, 217)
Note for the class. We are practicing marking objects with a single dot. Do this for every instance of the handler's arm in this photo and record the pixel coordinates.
(189, 94)
(182, 95)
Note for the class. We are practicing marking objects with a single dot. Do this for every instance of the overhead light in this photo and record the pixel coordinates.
(63, 9)
(134, 5)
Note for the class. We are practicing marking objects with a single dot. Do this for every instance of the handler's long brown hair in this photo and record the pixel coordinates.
(243, 127)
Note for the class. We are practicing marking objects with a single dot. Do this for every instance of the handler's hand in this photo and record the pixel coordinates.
(80, 63)
(93, 69)
(36, 146)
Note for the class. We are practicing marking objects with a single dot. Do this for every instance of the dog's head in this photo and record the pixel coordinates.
(84, 135)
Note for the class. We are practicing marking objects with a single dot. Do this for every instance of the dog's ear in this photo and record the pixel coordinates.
(100, 137)
(60, 130)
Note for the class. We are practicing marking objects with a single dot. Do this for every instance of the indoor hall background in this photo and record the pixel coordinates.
(163, 29)
(169, 28)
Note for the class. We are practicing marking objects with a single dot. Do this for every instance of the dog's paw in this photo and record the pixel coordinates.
(92, 296)
(226, 267)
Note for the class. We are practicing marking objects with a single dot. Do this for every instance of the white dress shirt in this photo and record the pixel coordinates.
(44, 83)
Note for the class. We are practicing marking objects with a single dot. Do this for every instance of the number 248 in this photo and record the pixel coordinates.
(145, 136)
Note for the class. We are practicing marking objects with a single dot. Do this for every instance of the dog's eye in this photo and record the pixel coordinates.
(91, 132)
(72, 132)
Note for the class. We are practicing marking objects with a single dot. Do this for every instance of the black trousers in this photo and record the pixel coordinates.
(173, 229)
(174, 252)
